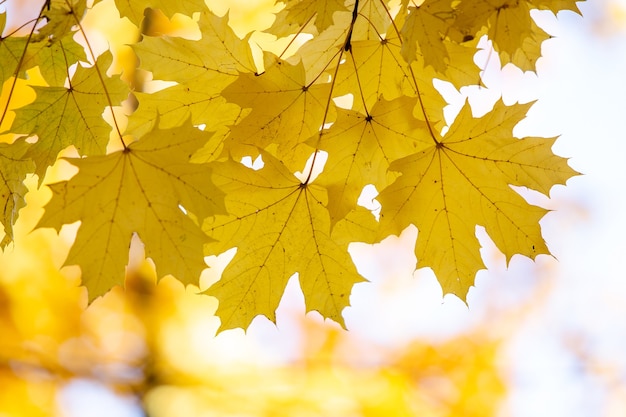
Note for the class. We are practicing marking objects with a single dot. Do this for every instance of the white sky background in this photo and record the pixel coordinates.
(579, 322)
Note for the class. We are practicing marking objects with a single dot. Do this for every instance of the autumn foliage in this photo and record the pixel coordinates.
(175, 128)
(344, 97)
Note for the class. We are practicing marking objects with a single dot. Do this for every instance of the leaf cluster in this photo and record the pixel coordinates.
(353, 106)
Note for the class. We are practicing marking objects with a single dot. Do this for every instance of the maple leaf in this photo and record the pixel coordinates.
(52, 54)
(556, 5)
(62, 116)
(373, 19)
(201, 68)
(461, 69)
(14, 167)
(50, 46)
(526, 56)
(426, 26)
(509, 26)
(360, 149)
(60, 16)
(298, 110)
(146, 188)
(174, 105)
(376, 67)
(11, 49)
(279, 226)
(317, 55)
(134, 10)
(463, 180)
(297, 13)
(218, 53)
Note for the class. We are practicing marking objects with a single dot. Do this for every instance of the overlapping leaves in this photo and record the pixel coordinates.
(356, 101)
(72, 115)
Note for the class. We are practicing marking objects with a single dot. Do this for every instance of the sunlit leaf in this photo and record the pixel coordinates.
(14, 167)
(279, 226)
(464, 180)
(66, 116)
(147, 189)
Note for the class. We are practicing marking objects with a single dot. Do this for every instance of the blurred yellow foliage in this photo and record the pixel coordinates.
(155, 341)
(149, 332)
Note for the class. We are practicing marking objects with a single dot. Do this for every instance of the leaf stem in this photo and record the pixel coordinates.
(346, 47)
(295, 36)
(22, 26)
(358, 82)
(418, 94)
(95, 64)
(330, 99)
(21, 62)
(421, 101)
(355, 12)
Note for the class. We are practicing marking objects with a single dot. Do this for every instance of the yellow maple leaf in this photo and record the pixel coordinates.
(11, 49)
(60, 17)
(316, 54)
(64, 116)
(509, 25)
(461, 69)
(373, 19)
(13, 168)
(51, 54)
(426, 26)
(219, 52)
(279, 226)
(296, 112)
(375, 68)
(525, 57)
(202, 68)
(556, 5)
(134, 10)
(361, 147)
(326, 50)
(463, 180)
(174, 105)
(298, 13)
(146, 188)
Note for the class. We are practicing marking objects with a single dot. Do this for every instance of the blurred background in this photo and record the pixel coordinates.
(544, 338)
